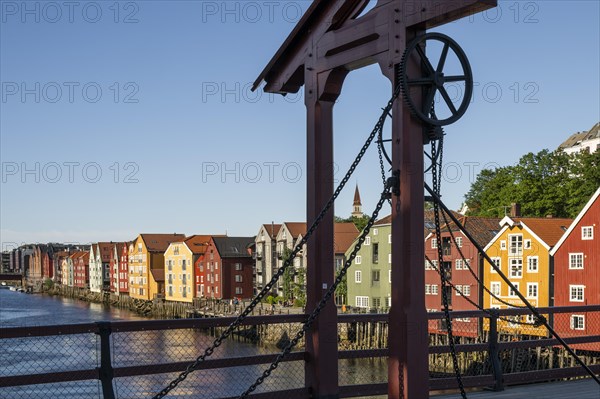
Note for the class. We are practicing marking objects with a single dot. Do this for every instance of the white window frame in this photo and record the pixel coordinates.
(427, 289)
(511, 293)
(361, 301)
(389, 238)
(574, 289)
(466, 290)
(389, 276)
(537, 264)
(458, 264)
(502, 245)
(367, 240)
(375, 232)
(459, 242)
(358, 276)
(516, 251)
(434, 289)
(390, 258)
(433, 243)
(587, 232)
(582, 320)
(574, 256)
(358, 260)
(530, 286)
(511, 271)
(458, 290)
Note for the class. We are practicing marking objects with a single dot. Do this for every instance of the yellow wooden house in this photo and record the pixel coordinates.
(147, 264)
(521, 250)
(180, 276)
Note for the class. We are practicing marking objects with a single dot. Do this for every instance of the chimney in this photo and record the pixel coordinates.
(515, 210)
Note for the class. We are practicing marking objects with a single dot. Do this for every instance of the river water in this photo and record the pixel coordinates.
(80, 352)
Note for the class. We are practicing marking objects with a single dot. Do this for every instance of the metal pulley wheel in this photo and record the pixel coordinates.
(431, 80)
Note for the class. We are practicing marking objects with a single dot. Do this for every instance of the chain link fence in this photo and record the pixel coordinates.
(147, 355)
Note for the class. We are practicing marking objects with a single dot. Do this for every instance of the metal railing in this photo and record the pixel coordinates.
(135, 359)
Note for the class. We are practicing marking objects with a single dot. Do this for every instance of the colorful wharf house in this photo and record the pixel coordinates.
(147, 264)
(577, 274)
(369, 277)
(100, 255)
(521, 249)
(81, 262)
(68, 273)
(228, 268)
(265, 255)
(180, 260)
(288, 236)
(461, 272)
(119, 281)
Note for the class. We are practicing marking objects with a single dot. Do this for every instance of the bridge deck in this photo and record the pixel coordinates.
(580, 389)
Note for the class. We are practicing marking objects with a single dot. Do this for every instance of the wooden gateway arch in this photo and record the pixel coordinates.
(329, 41)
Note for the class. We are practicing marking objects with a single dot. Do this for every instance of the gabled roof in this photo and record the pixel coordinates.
(105, 248)
(482, 229)
(429, 217)
(198, 243)
(158, 274)
(594, 199)
(546, 230)
(233, 247)
(296, 228)
(576, 138)
(160, 242)
(272, 229)
(344, 235)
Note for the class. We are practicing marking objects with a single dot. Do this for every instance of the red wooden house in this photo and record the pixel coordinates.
(118, 268)
(576, 263)
(123, 276)
(81, 269)
(226, 269)
(47, 264)
(457, 270)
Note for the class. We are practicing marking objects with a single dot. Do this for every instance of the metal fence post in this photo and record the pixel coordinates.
(105, 371)
(493, 351)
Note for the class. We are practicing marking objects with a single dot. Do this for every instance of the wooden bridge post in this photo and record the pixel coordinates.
(493, 351)
(105, 371)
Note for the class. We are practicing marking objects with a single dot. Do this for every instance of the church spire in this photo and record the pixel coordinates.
(357, 206)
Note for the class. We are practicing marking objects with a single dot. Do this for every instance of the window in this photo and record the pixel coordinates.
(576, 293)
(238, 266)
(498, 263)
(217, 289)
(375, 232)
(358, 260)
(389, 258)
(503, 245)
(362, 301)
(532, 290)
(530, 318)
(575, 261)
(429, 265)
(176, 250)
(466, 290)
(434, 243)
(577, 322)
(427, 289)
(527, 244)
(375, 276)
(587, 233)
(459, 290)
(512, 292)
(238, 290)
(389, 238)
(389, 276)
(183, 264)
(216, 265)
(375, 253)
(216, 276)
(388, 301)
(515, 247)
(376, 302)
(238, 278)
(367, 240)
(459, 242)
(358, 276)
(516, 267)
(459, 264)
(434, 289)
(532, 264)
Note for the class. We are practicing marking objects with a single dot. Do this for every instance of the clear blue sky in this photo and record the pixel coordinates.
(175, 107)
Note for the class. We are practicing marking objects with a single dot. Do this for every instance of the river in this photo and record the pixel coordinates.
(76, 352)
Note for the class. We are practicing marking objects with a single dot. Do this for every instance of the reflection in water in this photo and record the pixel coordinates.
(80, 352)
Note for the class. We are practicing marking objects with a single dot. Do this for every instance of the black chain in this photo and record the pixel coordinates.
(267, 288)
(324, 300)
(444, 278)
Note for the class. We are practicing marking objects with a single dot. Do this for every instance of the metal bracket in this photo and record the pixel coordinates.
(393, 183)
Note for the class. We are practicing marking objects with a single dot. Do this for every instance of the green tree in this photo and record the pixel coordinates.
(288, 276)
(300, 287)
